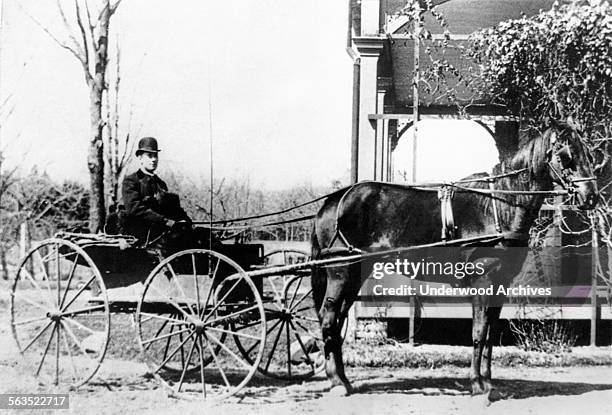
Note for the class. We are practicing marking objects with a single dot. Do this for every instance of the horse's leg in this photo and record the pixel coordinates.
(329, 316)
(319, 285)
(492, 334)
(479, 332)
(350, 291)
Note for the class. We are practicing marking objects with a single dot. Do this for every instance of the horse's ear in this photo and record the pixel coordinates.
(553, 136)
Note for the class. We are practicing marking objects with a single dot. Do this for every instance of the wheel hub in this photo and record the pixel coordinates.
(197, 326)
(54, 315)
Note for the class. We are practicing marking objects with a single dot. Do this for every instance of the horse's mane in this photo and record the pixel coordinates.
(532, 153)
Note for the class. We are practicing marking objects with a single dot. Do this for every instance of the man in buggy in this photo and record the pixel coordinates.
(152, 214)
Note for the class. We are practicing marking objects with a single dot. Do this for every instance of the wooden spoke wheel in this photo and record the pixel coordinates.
(190, 303)
(274, 285)
(60, 315)
(293, 349)
(164, 325)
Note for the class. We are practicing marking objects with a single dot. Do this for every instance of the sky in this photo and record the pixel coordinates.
(272, 76)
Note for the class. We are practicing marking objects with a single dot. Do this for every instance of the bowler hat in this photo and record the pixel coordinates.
(148, 144)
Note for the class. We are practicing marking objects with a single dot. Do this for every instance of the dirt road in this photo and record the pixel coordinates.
(123, 387)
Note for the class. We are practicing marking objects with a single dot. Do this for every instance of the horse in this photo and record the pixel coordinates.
(374, 216)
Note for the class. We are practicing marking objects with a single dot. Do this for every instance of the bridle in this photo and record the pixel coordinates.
(561, 151)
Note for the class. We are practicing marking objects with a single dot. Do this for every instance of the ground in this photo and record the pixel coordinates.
(123, 387)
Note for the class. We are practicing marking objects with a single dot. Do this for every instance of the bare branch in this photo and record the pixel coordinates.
(113, 8)
(89, 21)
(5, 102)
(7, 179)
(77, 54)
(103, 11)
(6, 112)
(81, 29)
(78, 46)
(127, 154)
(91, 26)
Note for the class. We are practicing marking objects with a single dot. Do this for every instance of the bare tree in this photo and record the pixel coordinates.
(120, 140)
(87, 41)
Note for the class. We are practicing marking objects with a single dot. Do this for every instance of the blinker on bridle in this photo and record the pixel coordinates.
(564, 157)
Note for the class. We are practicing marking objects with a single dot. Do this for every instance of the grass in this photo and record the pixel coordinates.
(123, 345)
(360, 354)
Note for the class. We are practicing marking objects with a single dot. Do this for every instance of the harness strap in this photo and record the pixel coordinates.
(337, 232)
(338, 235)
(494, 205)
(339, 250)
(562, 176)
(445, 194)
(516, 236)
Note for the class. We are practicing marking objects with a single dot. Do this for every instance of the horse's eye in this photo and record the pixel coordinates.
(565, 156)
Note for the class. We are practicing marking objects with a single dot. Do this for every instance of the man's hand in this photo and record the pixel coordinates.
(171, 223)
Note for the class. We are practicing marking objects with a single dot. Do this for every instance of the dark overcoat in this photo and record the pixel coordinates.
(144, 215)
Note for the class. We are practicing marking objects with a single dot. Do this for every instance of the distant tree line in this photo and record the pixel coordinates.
(239, 198)
(33, 206)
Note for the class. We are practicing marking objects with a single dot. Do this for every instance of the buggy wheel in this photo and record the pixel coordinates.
(60, 315)
(185, 316)
(162, 326)
(294, 349)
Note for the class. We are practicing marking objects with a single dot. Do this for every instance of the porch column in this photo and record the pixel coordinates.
(384, 96)
(384, 168)
(369, 50)
(380, 137)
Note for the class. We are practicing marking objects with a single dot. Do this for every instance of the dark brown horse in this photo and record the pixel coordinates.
(373, 216)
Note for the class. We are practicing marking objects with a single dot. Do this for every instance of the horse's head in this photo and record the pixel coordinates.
(570, 164)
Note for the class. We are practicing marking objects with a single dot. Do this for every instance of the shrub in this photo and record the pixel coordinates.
(549, 336)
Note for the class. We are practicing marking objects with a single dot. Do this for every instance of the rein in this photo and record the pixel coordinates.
(433, 187)
(445, 192)
(566, 179)
(256, 225)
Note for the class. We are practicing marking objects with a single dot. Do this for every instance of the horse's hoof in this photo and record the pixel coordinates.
(339, 390)
(482, 399)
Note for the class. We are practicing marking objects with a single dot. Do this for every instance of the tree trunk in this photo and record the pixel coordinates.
(95, 160)
(95, 163)
(3, 263)
(113, 130)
